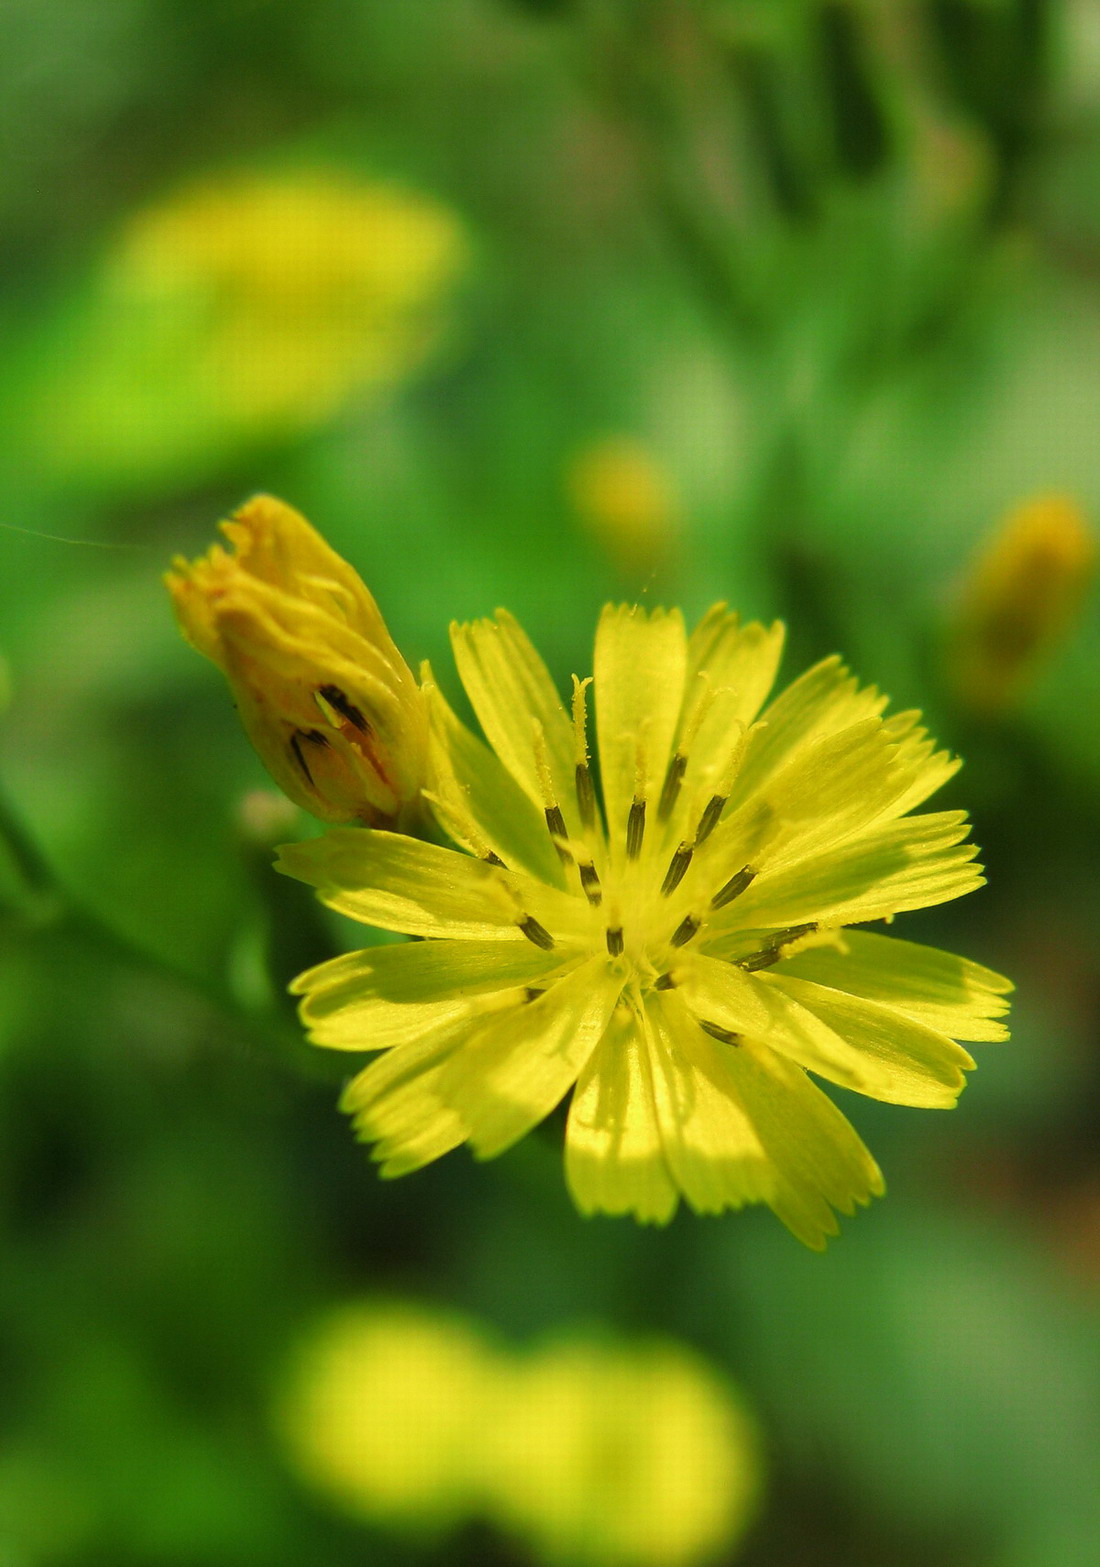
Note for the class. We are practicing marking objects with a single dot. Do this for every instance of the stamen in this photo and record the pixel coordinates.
(586, 793)
(677, 868)
(733, 888)
(590, 882)
(671, 788)
(614, 941)
(296, 749)
(664, 982)
(555, 823)
(635, 829)
(336, 698)
(580, 719)
(684, 931)
(772, 950)
(758, 960)
(586, 796)
(315, 737)
(710, 817)
(536, 933)
(725, 1035)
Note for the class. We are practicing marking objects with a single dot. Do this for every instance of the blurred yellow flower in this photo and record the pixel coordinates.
(323, 693)
(592, 1452)
(626, 502)
(678, 962)
(1021, 595)
(383, 1405)
(248, 307)
(623, 1455)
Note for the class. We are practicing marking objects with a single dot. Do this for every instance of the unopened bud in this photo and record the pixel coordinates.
(324, 695)
(1021, 595)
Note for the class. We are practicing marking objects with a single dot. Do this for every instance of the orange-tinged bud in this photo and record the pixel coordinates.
(1021, 595)
(324, 695)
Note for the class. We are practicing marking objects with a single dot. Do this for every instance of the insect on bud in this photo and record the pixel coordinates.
(324, 695)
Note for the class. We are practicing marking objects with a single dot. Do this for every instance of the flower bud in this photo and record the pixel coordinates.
(324, 695)
(1021, 595)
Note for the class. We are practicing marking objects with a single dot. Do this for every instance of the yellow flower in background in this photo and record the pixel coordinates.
(626, 502)
(1022, 593)
(383, 1405)
(592, 1452)
(323, 693)
(246, 307)
(680, 960)
(623, 1455)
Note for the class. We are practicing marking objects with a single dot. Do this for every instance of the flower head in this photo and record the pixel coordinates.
(324, 695)
(680, 959)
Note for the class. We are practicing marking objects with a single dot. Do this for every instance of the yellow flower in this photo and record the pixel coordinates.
(381, 1409)
(1021, 595)
(245, 307)
(679, 961)
(592, 1452)
(626, 501)
(629, 1455)
(325, 697)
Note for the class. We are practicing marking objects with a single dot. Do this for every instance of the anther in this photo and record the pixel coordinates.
(586, 796)
(536, 933)
(758, 960)
(315, 737)
(555, 823)
(709, 819)
(677, 868)
(671, 789)
(336, 698)
(725, 1035)
(614, 941)
(590, 882)
(684, 931)
(664, 982)
(733, 888)
(635, 829)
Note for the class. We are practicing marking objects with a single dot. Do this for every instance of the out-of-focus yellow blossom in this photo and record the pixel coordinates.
(631, 1455)
(322, 691)
(592, 1453)
(626, 502)
(383, 1407)
(1021, 595)
(248, 307)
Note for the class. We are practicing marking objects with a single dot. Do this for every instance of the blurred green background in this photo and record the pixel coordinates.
(775, 301)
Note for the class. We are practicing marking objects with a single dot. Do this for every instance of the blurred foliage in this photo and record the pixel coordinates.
(831, 265)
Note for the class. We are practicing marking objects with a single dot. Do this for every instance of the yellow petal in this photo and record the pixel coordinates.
(518, 707)
(421, 889)
(614, 1159)
(939, 989)
(639, 682)
(510, 1075)
(710, 1143)
(483, 803)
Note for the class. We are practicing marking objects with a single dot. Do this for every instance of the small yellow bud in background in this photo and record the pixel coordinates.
(324, 695)
(1022, 593)
(626, 502)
